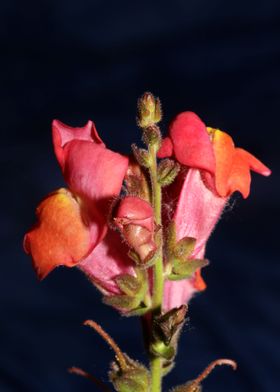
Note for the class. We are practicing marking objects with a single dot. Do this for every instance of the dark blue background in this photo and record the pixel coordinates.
(80, 60)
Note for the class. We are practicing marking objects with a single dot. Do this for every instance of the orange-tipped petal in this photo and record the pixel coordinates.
(240, 176)
(224, 153)
(255, 165)
(61, 237)
(199, 282)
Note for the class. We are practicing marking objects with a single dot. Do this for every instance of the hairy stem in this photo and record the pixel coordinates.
(158, 276)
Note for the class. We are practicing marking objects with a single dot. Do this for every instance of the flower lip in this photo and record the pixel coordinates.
(212, 151)
(61, 237)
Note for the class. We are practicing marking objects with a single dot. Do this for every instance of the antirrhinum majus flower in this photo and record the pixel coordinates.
(72, 227)
(213, 169)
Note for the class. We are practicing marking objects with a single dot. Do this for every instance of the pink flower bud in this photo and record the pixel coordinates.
(135, 219)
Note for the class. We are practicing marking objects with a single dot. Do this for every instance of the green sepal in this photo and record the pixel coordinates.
(134, 290)
(135, 378)
(129, 284)
(184, 248)
(140, 311)
(142, 156)
(122, 301)
(134, 256)
(167, 171)
(185, 269)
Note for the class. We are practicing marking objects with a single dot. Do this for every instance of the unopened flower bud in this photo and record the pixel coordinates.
(152, 136)
(142, 156)
(136, 181)
(135, 219)
(149, 110)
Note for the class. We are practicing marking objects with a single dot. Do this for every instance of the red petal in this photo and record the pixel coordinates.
(91, 170)
(166, 149)
(63, 134)
(191, 142)
(61, 236)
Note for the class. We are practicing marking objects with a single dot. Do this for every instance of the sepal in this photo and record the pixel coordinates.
(134, 297)
(184, 269)
(142, 156)
(167, 171)
(134, 378)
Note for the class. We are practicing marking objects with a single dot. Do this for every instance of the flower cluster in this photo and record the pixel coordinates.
(138, 226)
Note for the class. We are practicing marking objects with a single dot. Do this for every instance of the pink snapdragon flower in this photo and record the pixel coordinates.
(72, 227)
(214, 169)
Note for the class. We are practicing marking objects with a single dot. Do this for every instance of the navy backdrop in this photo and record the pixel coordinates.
(80, 60)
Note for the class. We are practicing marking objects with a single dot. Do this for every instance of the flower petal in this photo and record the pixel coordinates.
(253, 162)
(108, 260)
(136, 211)
(198, 209)
(224, 154)
(61, 236)
(91, 171)
(191, 142)
(63, 134)
(166, 149)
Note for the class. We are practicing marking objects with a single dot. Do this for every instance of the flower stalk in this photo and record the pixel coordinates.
(158, 275)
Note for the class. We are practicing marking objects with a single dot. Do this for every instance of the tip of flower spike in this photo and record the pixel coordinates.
(149, 110)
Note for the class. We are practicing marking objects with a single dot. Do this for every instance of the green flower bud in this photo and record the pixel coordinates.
(149, 110)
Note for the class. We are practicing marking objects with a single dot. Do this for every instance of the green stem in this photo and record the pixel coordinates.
(158, 277)
(156, 374)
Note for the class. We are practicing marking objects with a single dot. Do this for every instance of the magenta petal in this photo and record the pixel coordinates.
(191, 142)
(177, 293)
(108, 260)
(197, 211)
